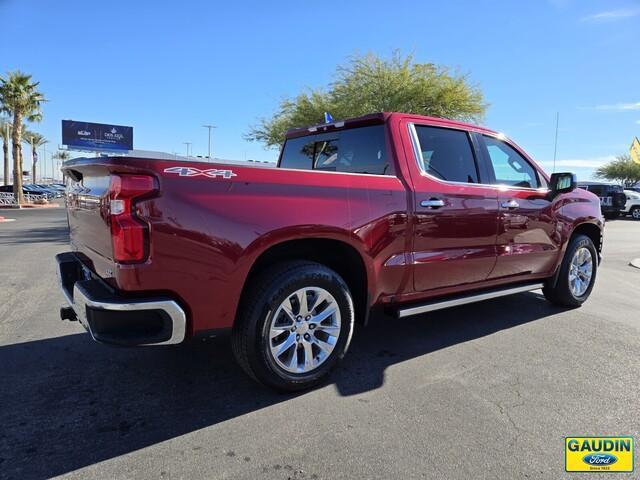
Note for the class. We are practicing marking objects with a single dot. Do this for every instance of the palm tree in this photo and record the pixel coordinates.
(61, 155)
(19, 96)
(35, 140)
(5, 134)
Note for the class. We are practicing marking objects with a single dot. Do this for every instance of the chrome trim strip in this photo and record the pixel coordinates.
(415, 142)
(338, 173)
(81, 300)
(430, 307)
(420, 161)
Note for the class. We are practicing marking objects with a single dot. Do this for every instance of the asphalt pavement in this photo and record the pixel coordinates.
(480, 391)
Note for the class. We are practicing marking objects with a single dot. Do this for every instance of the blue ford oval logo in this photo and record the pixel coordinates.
(600, 459)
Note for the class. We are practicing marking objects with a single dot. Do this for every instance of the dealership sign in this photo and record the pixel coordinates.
(96, 136)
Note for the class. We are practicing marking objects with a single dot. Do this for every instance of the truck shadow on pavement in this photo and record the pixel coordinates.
(35, 235)
(68, 403)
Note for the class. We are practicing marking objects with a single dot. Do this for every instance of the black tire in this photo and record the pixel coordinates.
(561, 293)
(259, 303)
(635, 213)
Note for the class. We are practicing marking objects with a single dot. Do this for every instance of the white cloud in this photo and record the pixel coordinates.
(612, 15)
(620, 107)
(579, 162)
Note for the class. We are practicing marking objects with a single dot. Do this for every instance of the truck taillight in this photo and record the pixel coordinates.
(129, 234)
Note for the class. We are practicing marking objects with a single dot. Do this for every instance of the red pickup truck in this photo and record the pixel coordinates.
(401, 211)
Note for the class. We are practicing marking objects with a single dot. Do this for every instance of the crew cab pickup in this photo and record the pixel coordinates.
(404, 212)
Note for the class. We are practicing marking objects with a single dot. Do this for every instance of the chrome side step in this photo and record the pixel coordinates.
(463, 300)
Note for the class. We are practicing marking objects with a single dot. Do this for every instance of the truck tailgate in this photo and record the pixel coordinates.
(89, 229)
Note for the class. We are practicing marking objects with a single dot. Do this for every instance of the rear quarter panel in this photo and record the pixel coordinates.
(206, 232)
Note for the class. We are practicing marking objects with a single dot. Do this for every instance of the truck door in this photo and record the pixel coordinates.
(455, 217)
(527, 239)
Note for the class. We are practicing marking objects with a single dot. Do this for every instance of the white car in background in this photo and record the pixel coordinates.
(632, 207)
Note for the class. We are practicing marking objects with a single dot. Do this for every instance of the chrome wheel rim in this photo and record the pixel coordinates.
(580, 271)
(304, 330)
(635, 213)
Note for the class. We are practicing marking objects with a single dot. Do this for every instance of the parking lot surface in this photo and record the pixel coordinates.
(480, 391)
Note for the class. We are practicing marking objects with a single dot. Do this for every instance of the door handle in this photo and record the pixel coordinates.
(432, 203)
(511, 204)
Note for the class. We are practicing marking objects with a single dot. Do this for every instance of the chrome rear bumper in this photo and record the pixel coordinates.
(114, 319)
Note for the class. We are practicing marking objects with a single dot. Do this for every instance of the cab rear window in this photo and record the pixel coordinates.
(356, 150)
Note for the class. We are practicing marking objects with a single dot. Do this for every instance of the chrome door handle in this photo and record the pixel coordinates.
(432, 203)
(511, 204)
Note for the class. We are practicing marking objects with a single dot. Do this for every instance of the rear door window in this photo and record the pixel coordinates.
(446, 154)
(356, 150)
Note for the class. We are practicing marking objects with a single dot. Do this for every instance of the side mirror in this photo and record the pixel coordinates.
(562, 183)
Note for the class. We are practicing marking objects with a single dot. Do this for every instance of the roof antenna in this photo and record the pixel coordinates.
(327, 117)
(555, 145)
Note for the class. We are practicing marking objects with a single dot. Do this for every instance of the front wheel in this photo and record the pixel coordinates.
(635, 213)
(577, 274)
(294, 325)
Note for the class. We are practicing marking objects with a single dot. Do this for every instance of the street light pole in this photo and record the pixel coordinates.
(33, 164)
(209, 127)
(43, 168)
(188, 144)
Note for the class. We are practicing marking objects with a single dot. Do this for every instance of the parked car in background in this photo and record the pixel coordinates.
(48, 188)
(632, 207)
(29, 190)
(58, 187)
(612, 197)
(39, 190)
(408, 213)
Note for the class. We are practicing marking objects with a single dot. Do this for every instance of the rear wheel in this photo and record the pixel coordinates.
(635, 213)
(294, 325)
(577, 274)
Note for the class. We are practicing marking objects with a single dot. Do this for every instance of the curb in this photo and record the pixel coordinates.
(635, 262)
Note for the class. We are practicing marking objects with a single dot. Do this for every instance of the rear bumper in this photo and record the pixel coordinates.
(114, 319)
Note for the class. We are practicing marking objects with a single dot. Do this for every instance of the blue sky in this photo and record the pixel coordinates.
(168, 67)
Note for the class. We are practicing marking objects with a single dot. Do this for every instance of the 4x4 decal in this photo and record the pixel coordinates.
(195, 172)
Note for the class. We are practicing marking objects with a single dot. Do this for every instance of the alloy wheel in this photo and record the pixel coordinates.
(580, 271)
(304, 330)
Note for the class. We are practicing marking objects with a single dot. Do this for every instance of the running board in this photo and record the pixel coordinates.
(463, 300)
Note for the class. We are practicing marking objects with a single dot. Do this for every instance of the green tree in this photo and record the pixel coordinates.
(35, 140)
(622, 170)
(368, 84)
(5, 133)
(19, 97)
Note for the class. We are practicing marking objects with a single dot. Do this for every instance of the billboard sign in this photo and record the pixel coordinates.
(96, 136)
